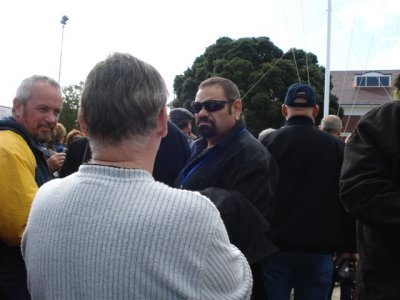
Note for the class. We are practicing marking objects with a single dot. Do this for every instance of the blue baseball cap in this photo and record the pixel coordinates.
(297, 92)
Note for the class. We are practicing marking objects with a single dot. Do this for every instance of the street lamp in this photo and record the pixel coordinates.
(63, 21)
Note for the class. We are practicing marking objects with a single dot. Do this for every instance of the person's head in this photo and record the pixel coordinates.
(182, 118)
(60, 133)
(37, 106)
(123, 99)
(264, 133)
(331, 124)
(300, 100)
(217, 108)
(73, 135)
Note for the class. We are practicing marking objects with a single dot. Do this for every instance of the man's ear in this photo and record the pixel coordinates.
(284, 110)
(237, 108)
(162, 122)
(315, 110)
(82, 124)
(17, 108)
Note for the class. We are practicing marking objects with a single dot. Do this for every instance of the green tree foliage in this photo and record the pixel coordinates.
(261, 71)
(71, 96)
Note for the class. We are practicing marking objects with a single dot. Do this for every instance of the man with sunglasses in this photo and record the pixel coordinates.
(233, 169)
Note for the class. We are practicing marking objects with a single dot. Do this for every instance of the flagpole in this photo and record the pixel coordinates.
(327, 67)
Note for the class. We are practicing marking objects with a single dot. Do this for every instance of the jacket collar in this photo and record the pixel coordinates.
(9, 123)
(232, 134)
(299, 120)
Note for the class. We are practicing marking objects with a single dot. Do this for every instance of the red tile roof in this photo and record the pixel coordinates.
(348, 94)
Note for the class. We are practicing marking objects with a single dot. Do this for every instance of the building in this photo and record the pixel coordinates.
(5, 111)
(360, 91)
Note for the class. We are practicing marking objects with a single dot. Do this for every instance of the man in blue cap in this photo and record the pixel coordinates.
(307, 220)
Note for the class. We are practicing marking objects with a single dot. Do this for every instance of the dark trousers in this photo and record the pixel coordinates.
(13, 281)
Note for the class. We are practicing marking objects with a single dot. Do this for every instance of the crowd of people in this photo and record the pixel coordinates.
(134, 205)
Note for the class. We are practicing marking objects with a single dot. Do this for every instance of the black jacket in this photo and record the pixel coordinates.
(78, 152)
(236, 175)
(308, 215)
(172, 156)
(370, 191)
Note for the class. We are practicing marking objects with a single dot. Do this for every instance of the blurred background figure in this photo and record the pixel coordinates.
(59, 137)
(331, 124)
(73, 135)
(264, 133)
(183, 118)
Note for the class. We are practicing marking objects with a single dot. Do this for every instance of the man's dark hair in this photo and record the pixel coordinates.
(231, 90)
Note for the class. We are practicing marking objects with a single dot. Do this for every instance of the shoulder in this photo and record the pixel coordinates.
(248, 149)
(11, 138)
(384, 117)
(189, 202)
(248, 142)
(12, 144)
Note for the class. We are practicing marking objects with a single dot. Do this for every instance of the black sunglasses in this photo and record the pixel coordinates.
(210, 105)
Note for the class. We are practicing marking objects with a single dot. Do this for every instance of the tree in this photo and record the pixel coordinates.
(71, 97)
(262, 73)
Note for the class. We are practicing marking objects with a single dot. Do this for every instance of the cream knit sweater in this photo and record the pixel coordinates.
(114, 233)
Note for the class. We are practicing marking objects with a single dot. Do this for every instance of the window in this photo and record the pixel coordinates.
(373, 79)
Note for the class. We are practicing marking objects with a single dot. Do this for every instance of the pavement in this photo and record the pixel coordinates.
(335, 294)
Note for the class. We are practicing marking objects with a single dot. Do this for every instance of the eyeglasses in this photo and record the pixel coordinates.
(210, 105)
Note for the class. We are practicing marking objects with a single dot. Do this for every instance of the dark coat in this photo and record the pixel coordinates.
(78, 152)
(172, 156)
(236, 175)
(308, 215)
(370, 191)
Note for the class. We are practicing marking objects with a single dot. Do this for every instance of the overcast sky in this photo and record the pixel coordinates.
(171, 34)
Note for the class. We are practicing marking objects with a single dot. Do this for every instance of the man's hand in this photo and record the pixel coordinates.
(56, 161)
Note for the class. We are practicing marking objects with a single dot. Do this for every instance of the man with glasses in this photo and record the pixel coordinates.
(233, 169)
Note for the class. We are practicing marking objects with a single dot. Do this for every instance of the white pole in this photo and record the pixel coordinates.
(328, 58)
(62, 40)
(63, 21)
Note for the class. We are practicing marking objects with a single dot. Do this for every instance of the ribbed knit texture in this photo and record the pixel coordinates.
(112, 233)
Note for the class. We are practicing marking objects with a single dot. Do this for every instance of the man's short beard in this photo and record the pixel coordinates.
(207, 131)
(45, 138)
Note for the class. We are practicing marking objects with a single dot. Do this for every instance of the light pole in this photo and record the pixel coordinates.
(63, 21)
